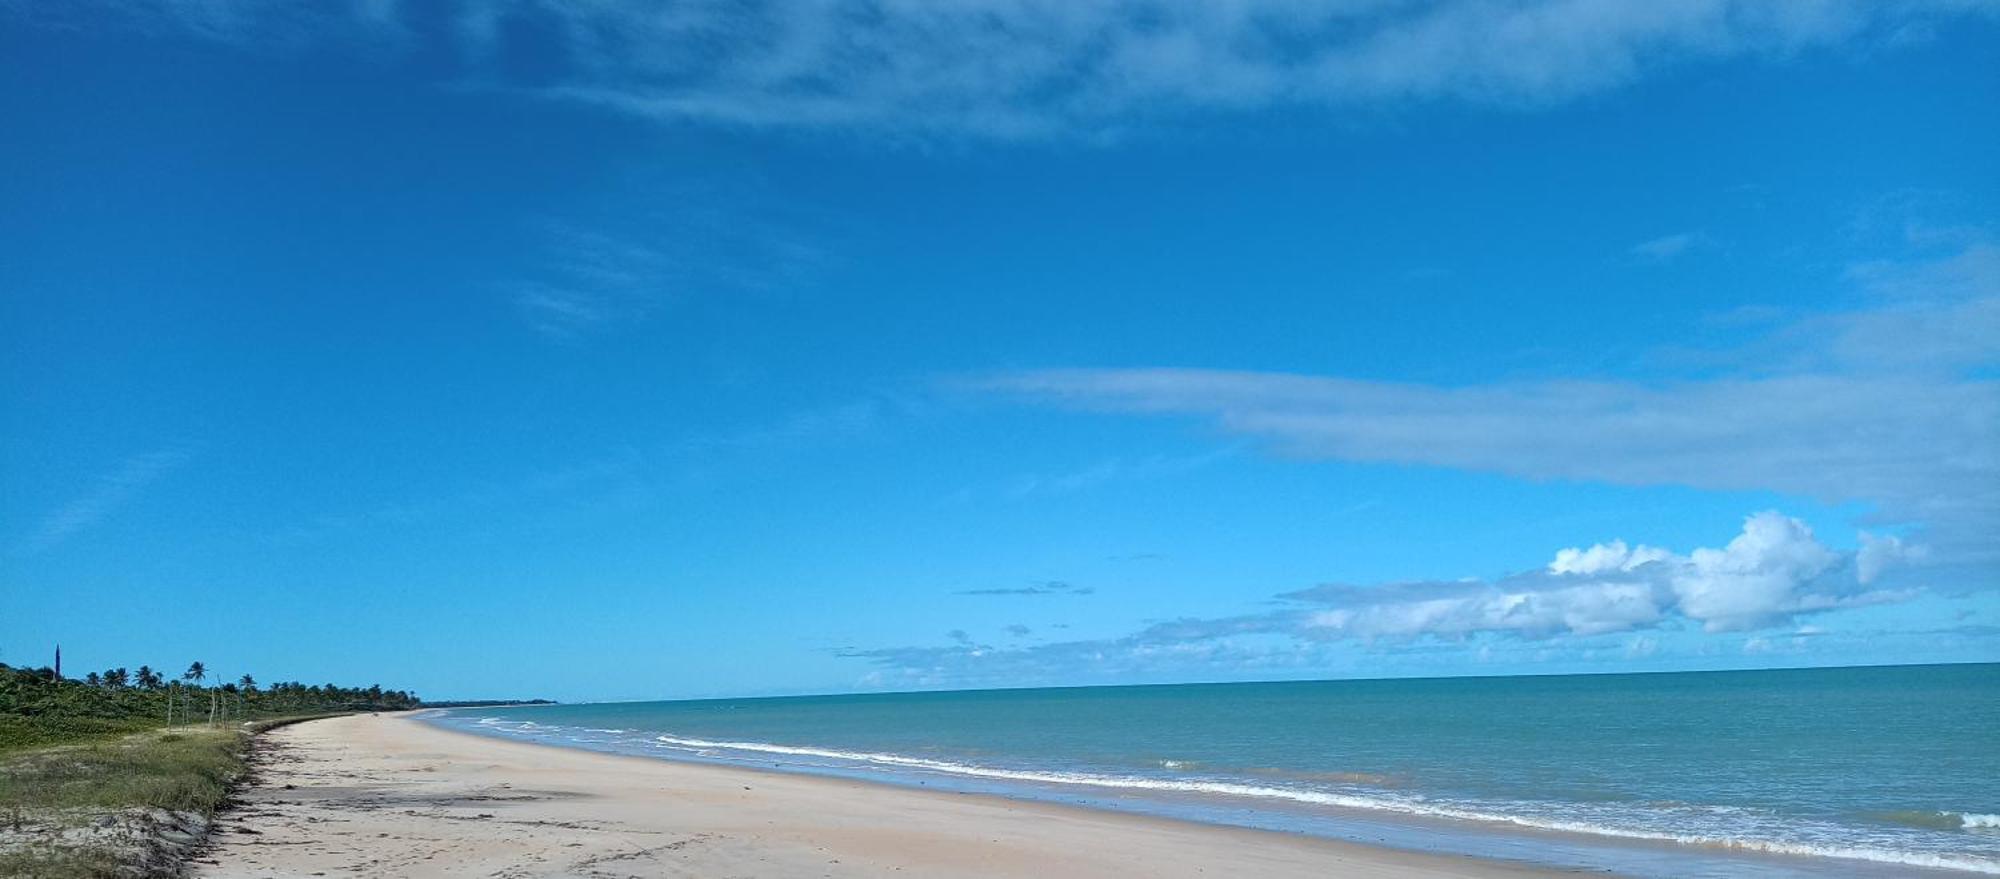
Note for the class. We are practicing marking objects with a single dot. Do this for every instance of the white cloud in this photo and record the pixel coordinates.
(1028, 68)
(1766, 574)
(1590, 608)
(1772, 572)
(1605, 557)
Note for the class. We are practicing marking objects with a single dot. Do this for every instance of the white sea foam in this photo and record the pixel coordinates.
(1356, 798)
(1406, 805)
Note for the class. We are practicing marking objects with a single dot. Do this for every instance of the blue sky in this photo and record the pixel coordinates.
(622, 351)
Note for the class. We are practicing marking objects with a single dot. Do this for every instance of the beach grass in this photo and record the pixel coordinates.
(177, 770)
(133, 805)
(27, 732)
(59, 863)
(97, 808)
(94, 780)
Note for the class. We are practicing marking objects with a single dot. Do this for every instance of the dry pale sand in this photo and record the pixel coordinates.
(391, 796)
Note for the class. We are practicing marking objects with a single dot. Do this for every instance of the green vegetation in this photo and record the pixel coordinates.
(37, 709)
(117, 774)
(177, 771)
(132, 805)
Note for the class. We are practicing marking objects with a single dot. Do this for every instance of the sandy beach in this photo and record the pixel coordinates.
(391, 796)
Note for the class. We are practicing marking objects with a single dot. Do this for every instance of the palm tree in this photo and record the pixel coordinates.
(117, 678)
(149, 680)
(195, 674)
(247, 682)
(245, 685)
(93, 679)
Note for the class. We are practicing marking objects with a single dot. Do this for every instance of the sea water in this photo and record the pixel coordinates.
(1841, 771)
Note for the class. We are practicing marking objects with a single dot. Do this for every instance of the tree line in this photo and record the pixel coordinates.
(227, 698)
(36, 704)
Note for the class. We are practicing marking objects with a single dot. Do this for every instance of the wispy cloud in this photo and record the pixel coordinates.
(1033, 68)
(1923, 451)
(1665, 247)
(615, 479)
(805, 427)
(623, 477)
(1932, 311)
(1772, 574)
(1045, 587)
(614, 272)
(1930, 314)
(591, 280)
(1111, 470)
(103, 497)
(1891, 406)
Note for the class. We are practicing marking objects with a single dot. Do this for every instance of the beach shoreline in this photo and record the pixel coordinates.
(390, 795)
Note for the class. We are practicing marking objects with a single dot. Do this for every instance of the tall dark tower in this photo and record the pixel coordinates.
(59, 662)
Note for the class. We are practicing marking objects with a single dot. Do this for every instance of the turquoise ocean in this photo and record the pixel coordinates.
(1844, 771)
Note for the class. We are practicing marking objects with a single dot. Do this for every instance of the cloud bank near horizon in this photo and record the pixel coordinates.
(1024, 69)
(1771, 575)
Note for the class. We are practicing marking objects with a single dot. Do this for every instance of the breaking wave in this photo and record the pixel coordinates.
(1406, 805)
(1356, 791)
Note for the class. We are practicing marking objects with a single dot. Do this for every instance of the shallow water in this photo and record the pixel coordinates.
(1856, 771)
